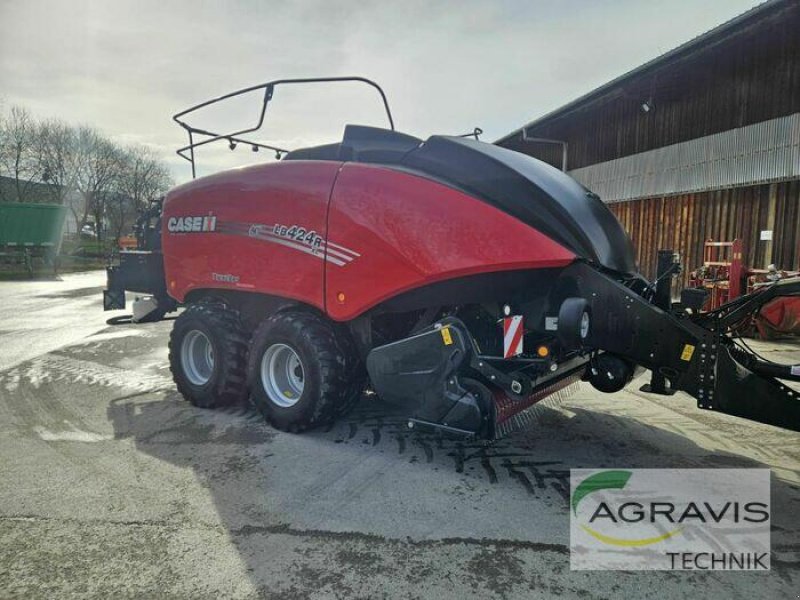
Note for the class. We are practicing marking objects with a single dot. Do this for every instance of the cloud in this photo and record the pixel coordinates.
(126, 66)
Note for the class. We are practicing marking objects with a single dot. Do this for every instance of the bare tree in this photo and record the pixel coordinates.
(17, 152)
(141, 179)
(120, 212)
(79, 168)
(56, 156)
(98, 165)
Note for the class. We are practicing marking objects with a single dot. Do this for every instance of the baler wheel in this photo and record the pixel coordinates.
(299, 372)
(208, 355)
(574, 323)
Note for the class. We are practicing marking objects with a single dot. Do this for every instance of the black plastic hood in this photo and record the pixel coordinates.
(533, 192)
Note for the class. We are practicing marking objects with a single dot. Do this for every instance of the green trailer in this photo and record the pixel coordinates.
(30, 233)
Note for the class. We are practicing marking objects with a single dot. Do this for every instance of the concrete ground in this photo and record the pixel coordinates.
(112, 486)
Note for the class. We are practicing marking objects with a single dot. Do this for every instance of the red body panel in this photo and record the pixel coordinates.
(410, 231)
(339, 237)
(291, 193)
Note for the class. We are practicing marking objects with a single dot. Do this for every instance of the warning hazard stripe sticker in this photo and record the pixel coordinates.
(512, 336)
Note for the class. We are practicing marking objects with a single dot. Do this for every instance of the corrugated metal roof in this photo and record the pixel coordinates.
(759, 153)
(723, 31)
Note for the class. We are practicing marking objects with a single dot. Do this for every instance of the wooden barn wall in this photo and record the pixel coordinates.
(747, 79)
(684, 222)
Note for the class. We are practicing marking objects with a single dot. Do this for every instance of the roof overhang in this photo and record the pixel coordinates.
(722, 33)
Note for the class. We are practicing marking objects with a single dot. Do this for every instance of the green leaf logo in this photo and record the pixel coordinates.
(599, 481)
(611, 480)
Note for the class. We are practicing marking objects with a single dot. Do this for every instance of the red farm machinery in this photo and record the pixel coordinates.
(725, 276)
(460, 280)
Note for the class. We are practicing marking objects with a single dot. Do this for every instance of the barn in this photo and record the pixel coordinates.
(702, 142)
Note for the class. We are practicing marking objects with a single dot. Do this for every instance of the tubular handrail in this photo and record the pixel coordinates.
(234, 137)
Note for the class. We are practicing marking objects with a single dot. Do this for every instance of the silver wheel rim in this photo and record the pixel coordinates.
(282, 375)
(584, 325)
(197, 357)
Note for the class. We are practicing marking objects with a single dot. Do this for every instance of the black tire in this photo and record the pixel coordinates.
(222, 327)
(570, 318)
(326, 369)
(609, 373)
(356, 371)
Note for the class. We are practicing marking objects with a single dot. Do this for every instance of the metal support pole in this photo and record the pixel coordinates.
(736, 272)
(663, 300)
(191, 152)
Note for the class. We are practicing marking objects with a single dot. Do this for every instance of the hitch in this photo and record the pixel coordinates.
(694, 353)
(742, 383)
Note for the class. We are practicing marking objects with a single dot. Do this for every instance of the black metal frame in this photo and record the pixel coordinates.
(234, 136)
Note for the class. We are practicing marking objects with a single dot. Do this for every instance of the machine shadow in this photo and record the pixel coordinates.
(128, 319)
(235, 455)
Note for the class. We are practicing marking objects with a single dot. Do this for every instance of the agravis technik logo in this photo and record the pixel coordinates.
(706, 519)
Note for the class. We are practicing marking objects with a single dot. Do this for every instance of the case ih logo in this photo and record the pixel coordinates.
(192, 224)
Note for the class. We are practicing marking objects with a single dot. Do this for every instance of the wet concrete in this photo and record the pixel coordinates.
(114, 486)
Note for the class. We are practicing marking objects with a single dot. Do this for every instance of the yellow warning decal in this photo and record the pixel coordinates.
(688, 350)
(448, 339)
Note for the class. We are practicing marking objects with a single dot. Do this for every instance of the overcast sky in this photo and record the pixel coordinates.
(127, 66)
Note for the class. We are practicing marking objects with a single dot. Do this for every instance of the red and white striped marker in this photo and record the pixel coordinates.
(512, 336)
